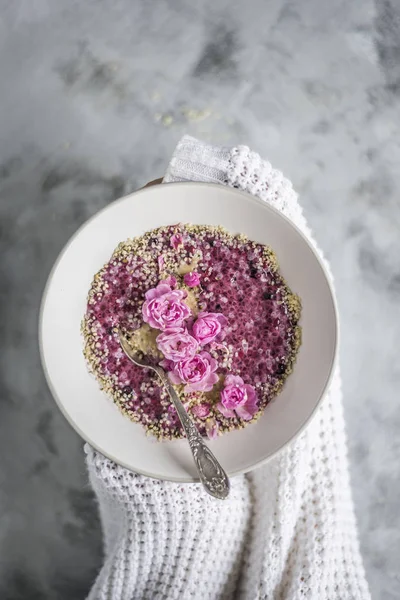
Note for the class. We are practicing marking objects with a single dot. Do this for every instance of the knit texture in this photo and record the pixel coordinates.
(287, 530)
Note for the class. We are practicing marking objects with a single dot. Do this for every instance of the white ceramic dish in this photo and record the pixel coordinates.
(93, 415)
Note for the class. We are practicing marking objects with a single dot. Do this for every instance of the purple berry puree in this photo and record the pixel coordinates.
(238, 278)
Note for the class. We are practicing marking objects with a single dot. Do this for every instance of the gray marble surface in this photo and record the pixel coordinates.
(94, 96)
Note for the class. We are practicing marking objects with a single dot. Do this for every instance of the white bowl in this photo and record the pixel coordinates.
(93, 415)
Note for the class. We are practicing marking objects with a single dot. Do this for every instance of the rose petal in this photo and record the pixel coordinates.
(213, 363)
(176, 240)
(225, 411)
(171, 281)
(158, 291)
(202, 386)
(174, 378)
(251, 394)
(246, 412)
(222, 319)
(212, 429)
(166, 364)
(161, 262)
(233, 380)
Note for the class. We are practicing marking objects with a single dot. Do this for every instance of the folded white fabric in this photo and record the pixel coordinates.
(287, 531)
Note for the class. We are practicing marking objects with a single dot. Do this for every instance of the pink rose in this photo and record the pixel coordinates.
(177, 344)
(164, 307)
(238, 397)
(197, 372)
(208, 326)
(192, 279)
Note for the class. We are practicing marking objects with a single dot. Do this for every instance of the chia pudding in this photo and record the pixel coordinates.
(210, 307)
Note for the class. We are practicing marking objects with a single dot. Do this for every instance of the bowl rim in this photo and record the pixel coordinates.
(247, 196)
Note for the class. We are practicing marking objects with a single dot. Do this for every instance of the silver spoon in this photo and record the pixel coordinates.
(212, 475)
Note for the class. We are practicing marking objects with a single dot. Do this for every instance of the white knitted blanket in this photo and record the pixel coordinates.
(287, 531)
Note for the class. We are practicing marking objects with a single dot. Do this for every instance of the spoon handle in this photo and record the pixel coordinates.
(212, 475)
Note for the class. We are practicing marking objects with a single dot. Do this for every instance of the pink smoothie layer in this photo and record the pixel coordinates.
(238, 278)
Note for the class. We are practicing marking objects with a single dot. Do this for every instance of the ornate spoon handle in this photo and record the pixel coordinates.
(212, 475)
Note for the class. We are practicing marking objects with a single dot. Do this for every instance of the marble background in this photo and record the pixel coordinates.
(94, 96)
